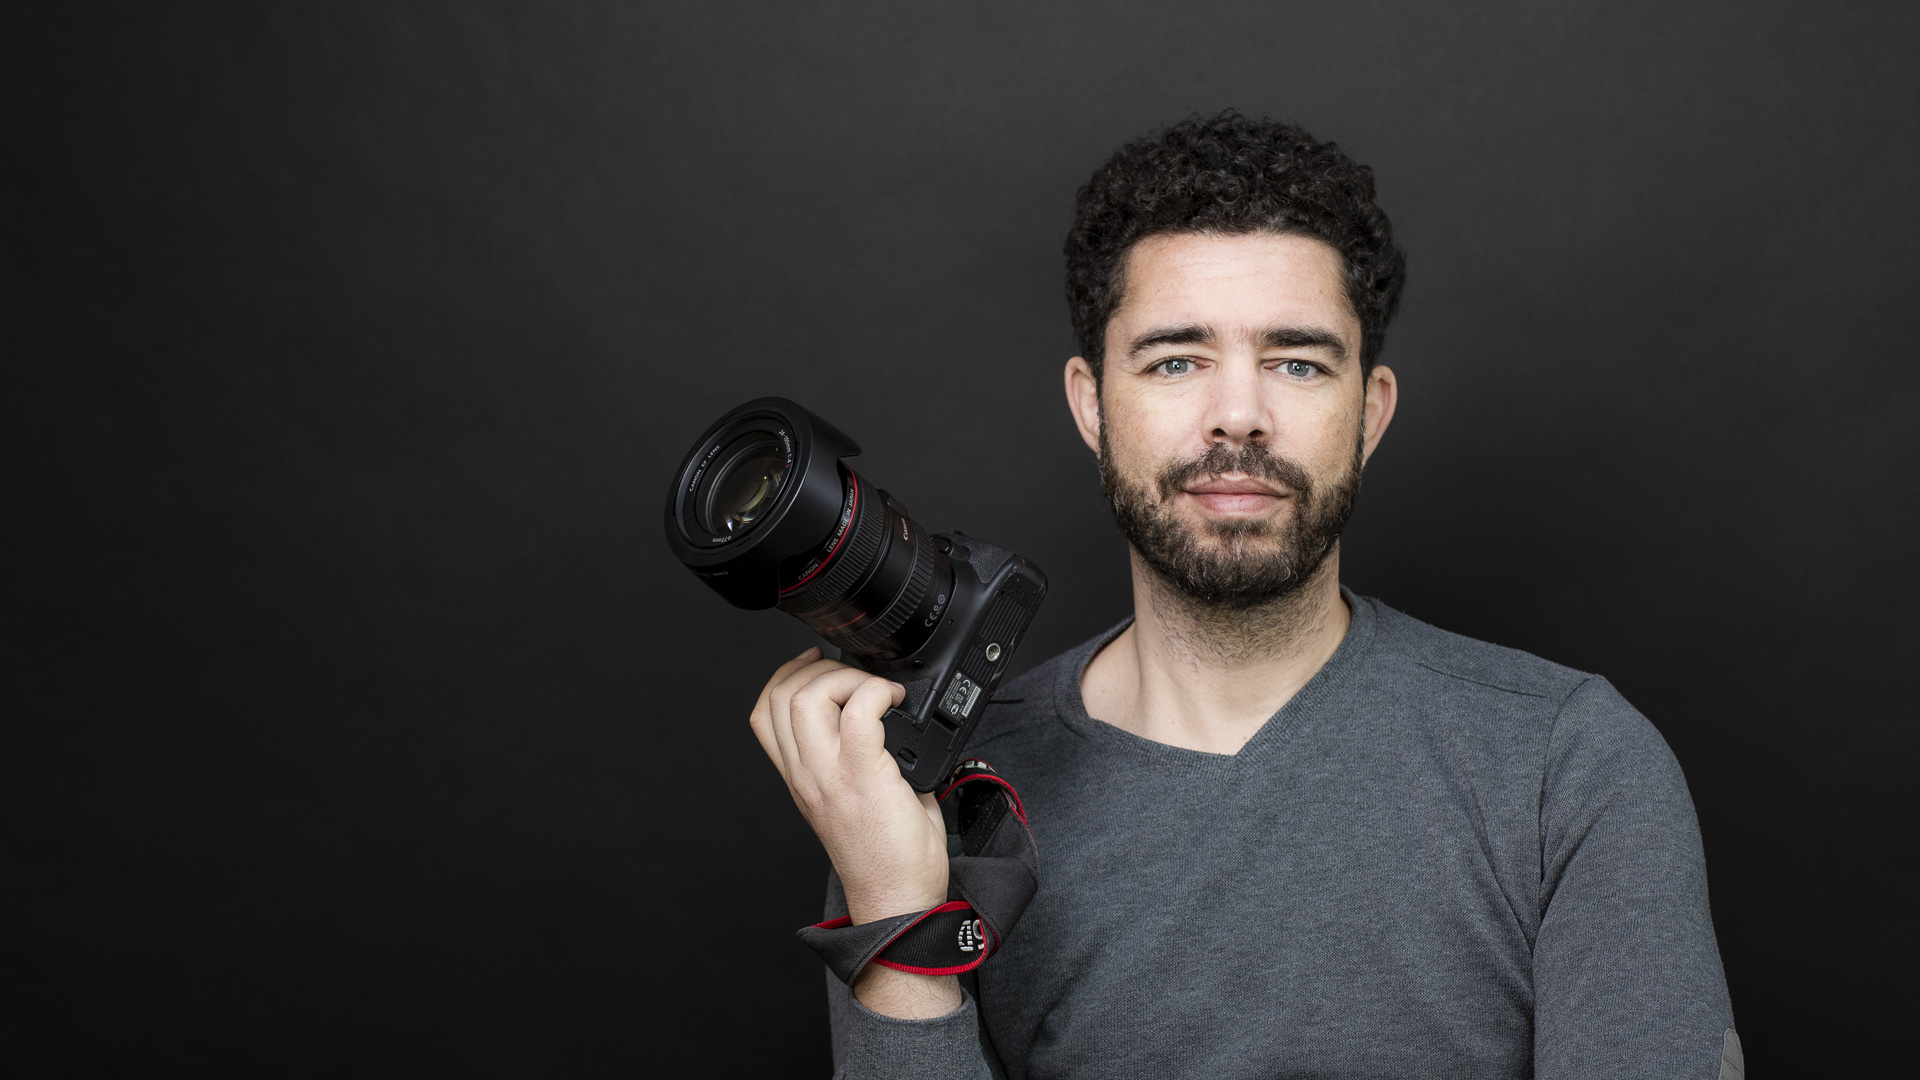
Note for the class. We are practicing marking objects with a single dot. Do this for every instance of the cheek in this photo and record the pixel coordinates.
(1152, 430)
(1133, 451)
(1322, 443)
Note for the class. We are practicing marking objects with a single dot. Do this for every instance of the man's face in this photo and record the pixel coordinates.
(1232, 418)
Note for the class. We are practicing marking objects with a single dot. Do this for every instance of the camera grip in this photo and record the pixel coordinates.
(906, 742)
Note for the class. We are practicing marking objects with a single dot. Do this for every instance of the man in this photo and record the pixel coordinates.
(1283, 829)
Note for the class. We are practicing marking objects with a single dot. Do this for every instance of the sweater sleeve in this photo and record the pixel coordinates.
(1626, 972)
(869, 1046)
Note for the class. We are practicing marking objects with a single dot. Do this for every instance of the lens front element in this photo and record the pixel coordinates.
(742, 484)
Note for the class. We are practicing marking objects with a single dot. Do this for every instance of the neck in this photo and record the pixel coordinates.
(1207, 678)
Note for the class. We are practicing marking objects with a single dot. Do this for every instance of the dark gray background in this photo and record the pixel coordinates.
(366, 725)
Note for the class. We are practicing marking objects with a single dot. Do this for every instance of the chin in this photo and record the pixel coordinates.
(1229, 526)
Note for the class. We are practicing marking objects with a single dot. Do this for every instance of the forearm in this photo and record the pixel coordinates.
(889, 1017)
(906, 996)
(902, 995)
(820, 723)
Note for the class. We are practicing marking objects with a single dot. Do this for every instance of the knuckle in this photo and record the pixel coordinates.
(780, 700)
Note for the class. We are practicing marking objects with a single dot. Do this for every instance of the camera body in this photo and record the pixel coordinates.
(766, 512)
(951, 677)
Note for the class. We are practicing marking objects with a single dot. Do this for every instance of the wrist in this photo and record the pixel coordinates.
(865, 906)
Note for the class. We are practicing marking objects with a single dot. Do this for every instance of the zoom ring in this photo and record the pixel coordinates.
(904, 606)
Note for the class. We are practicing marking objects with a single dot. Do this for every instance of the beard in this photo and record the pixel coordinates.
(1231, 565)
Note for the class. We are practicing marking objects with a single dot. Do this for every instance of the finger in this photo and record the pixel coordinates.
(863, 736)
(780, 709)
(761, 719)
(786, 671)
(780, 674)
(816, 711)
(779, 694)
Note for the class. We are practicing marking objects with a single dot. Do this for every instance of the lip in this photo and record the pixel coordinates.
(1223, 485)
(1235, 496)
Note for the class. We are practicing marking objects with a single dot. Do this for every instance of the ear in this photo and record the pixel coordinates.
(1083, 400)
(1382, 394)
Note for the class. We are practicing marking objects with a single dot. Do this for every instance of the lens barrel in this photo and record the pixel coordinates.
(763, 510)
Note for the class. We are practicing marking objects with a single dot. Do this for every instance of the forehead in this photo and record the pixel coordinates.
(1245, 282)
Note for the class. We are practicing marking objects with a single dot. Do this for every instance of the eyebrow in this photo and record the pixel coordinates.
(1304, 337)
(1275, 337)
(1190, 334)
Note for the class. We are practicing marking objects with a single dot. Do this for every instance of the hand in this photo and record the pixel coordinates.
(819, 721)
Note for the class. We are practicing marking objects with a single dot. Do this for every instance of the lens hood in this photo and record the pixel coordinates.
(744, 566)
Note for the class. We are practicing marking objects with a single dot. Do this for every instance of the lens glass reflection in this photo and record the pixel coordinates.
(741, 486)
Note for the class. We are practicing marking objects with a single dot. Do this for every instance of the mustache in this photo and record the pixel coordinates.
(1252, 459)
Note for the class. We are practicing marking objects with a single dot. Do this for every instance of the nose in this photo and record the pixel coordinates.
(1237, 411)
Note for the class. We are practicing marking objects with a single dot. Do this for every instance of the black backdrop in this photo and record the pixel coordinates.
(365, 725)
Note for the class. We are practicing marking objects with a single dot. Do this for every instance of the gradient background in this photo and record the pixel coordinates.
(365, 726)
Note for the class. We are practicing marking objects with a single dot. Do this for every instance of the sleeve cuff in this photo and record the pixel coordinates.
(942, 1048)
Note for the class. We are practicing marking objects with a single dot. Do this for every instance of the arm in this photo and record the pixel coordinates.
(819, 722)
(867, 1043)
(1627, 978)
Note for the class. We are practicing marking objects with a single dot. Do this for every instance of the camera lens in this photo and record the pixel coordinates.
(741, 485)
(876, 587)
(764, 511)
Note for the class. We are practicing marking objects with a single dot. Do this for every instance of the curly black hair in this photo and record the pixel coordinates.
(1230, 174)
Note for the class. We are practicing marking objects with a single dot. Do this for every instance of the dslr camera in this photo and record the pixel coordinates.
(766, 512)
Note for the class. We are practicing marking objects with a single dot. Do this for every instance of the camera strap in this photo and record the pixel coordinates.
(992, 873)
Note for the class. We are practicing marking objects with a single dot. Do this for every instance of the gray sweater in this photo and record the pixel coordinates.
(1442, 858)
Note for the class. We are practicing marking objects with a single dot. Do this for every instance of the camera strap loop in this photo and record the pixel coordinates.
(992, 874)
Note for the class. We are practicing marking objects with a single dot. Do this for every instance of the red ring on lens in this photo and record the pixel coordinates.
(854, 478)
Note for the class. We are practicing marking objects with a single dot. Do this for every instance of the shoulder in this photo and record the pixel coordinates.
(1588, 727)
(1467, 663)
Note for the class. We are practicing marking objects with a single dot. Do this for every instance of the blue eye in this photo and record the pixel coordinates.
(1299, 369)
(1175, 365)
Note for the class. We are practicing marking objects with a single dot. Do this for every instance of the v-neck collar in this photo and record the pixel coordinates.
(1071, 708)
